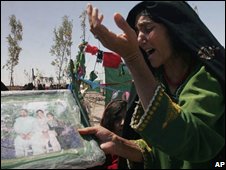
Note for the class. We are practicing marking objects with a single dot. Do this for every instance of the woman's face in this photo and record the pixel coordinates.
(23, 113)
(40, 114)
(154, 40)
(50, 117)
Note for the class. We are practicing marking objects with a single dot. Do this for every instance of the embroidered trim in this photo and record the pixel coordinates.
(145, 150)
(173, 111)
(139, 121)
(142, 145)
(207, 52)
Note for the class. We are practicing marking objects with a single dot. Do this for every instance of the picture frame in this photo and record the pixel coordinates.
(39, 130)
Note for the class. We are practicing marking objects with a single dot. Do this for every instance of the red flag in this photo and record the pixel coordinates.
(91, 49)
(111, 60)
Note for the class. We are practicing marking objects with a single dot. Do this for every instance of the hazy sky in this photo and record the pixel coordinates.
(39, 18)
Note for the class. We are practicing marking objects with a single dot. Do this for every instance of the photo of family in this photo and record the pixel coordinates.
(39, 134)
(41, 126)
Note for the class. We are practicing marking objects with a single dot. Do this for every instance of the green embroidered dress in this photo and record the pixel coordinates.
(183, 125)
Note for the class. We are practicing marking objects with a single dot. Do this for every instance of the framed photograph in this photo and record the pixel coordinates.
(39, 130)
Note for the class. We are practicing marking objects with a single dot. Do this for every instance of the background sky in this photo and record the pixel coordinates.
(39, 18)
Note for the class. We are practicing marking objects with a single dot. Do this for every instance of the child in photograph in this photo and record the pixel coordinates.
(53, 126)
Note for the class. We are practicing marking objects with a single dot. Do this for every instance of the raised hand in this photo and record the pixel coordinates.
(124, 44)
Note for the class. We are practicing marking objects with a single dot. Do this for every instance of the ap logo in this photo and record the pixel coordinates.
(219, 164)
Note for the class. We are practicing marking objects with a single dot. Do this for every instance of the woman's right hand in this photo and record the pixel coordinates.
(125, 44)
(112, 144)
(105, 137)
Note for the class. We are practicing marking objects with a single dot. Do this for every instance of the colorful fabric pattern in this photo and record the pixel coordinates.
(168, 126)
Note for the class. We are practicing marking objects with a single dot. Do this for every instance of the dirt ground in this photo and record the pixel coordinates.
(95, 105)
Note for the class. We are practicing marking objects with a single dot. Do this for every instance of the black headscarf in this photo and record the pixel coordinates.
(187, 29)
(190, 33)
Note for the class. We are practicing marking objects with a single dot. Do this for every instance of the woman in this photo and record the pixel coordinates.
(53, 128)
(178, 70)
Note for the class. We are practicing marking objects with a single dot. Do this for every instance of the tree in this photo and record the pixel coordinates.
(83, 25)
(62, 48)
(38, 75)
(14, 49)
(28, 75)
(80, 69)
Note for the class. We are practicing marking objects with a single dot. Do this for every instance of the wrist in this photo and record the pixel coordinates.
(117, 144)
(133, 58)
(127, 149)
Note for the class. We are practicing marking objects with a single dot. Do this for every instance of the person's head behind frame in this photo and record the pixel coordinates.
(113, 116)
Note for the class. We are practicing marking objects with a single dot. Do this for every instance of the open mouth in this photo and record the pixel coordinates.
(150, 51)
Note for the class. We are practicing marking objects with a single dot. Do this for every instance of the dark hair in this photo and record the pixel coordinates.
(112, 113)
(50, 114)
(24, 110)
(178, 46)
(39, 110)
(187, 32)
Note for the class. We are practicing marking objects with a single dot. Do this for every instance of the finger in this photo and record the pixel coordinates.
(91, 15)
(89, 10)
(94, 13)
(104, 147)
(122, 24)
(96, 22)
(88, 130)
(107, 147)
(95, 17)
(101, 17)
